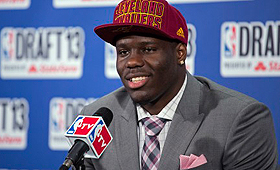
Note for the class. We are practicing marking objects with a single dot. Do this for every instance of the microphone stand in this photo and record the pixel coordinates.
(80, 165)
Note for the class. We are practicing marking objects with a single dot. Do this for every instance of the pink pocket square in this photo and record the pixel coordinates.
(192, 161)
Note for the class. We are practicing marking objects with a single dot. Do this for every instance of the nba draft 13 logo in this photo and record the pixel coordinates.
(250, 49)
(42, 53)
(14, 123)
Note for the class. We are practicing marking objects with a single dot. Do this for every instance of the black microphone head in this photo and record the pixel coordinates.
(106, 114)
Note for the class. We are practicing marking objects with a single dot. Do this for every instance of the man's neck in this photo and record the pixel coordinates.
(156, 106)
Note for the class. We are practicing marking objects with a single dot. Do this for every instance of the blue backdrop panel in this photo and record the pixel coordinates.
(52, 64)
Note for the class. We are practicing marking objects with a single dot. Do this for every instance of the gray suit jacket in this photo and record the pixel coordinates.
(232, 130)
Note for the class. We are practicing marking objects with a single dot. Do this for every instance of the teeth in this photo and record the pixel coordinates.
(137, 79)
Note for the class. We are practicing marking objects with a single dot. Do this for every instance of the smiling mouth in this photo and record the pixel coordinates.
(137, 82)
(137, 79)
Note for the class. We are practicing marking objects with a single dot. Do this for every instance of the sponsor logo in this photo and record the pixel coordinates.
(250, 49)
(63, 112)
(100, 138)
(43, 53)
(14, 122)
(111, 55)
(14, 4)
(94, 3)
(180, 33)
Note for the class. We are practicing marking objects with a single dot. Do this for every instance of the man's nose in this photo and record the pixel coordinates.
(135, 59)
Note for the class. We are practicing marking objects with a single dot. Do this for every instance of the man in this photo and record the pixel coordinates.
(224, 129)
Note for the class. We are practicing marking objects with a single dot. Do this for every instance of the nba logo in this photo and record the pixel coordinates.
(57, 115)
(72, 129)
(7, 43)
(82, 125)
(229, 39)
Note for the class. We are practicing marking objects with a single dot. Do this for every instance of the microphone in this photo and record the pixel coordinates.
(88, 135)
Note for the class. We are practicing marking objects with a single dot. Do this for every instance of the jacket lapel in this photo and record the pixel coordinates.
(126, 137)
(184, 126)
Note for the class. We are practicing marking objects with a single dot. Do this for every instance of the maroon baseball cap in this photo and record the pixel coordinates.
(153, 17)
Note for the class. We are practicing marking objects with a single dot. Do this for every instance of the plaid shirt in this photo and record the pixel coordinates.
(167, 113)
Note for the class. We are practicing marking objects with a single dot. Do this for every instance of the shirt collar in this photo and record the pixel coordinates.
(168, 111)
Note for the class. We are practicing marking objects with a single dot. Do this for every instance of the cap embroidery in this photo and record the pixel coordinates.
(145, 12)
(180, 32)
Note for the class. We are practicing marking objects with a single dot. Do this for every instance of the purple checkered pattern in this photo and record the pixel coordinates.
(151, 150)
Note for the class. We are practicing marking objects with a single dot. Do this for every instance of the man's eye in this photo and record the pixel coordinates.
(149, 49)
(123, 52)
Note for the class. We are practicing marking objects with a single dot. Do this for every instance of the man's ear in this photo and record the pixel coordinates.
(181, 51)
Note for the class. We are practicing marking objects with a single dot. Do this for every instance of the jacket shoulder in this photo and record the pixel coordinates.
(225, 92)
(111, 101)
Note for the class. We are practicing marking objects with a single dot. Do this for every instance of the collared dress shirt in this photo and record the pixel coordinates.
(167, 113)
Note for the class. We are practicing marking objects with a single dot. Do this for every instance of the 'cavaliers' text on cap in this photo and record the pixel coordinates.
(156, 17)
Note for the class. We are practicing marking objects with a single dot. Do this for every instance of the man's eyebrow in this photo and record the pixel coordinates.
(123, 44)
(148, 43)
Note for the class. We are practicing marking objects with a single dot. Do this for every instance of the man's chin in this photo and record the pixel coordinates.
(139, 97)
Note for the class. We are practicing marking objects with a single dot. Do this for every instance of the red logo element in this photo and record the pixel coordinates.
(260, 66)
(32, 69)
(233, 39)
(274, 66)
(102, 139)
(85, 125)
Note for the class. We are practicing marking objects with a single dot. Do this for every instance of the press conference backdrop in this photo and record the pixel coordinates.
(52, 64)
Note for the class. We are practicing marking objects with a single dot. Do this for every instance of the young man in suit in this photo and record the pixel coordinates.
(223, 128)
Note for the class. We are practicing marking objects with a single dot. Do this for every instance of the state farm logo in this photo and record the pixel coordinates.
(63, 112)
(14, 122)
(110, 56)
(43, 53)
(250, 49)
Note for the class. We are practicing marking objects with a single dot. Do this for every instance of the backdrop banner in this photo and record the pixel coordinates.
(52, 64)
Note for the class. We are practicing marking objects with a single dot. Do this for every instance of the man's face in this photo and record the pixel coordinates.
(148, 68)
